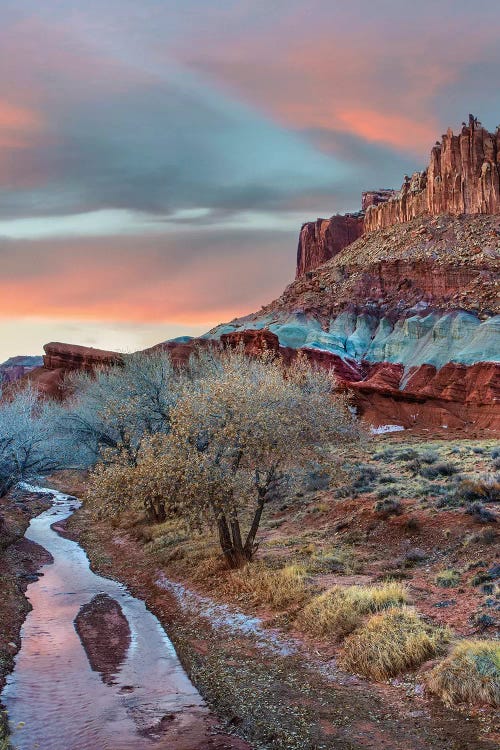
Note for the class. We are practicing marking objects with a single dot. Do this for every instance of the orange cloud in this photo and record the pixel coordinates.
(16, 124)
(389, 128)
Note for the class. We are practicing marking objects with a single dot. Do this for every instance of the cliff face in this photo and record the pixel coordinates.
(463, 177)
(323, 239)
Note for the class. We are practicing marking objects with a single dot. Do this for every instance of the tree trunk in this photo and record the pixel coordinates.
(249, 548)
(231, 542)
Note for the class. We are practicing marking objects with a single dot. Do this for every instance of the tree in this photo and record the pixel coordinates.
(30, 442)
(113, 409)
(240, 432)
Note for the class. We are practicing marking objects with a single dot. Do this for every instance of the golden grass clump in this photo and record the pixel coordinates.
(281, 589)
(389, 643)
(470, 674)
(341, 609)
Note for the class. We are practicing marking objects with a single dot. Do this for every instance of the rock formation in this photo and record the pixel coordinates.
(15, 367)
(61, 359)
(463, 177)
(376, 197)
(409, 318)
(322, 239)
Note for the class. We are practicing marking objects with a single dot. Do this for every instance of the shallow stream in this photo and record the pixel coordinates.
(55, 699)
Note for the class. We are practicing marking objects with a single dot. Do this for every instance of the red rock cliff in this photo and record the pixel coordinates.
(322, 239)
(463, 177)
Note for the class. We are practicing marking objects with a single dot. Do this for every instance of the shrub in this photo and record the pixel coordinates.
(386, 455)
(442, 469)
(388, 507)
(282, 588)
(365, 476)
(341, 609)
(407, 454)
(470, 674)
(389, 643)
(486, 489)
(429, 457)
(412, 526)
(414, 557)
(447, 578)
(338, 560)
(480, 513)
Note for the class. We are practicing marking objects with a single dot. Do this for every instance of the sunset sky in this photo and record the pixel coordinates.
(158, 157)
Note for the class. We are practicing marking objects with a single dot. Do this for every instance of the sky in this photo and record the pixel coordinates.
(158, 158)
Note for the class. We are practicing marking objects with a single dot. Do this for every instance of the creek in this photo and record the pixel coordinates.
(75, 688)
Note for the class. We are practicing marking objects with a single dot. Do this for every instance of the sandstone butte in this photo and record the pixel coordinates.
(401, 299)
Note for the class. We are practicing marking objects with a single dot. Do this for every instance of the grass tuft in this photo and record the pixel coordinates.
(470, 674)
(447, 578)
(389, 643)
(281, 589)
(341, 609)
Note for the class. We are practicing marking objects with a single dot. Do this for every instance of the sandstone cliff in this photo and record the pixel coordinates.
(463, 177)
(322, 239)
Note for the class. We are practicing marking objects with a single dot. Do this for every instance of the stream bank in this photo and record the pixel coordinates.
(20, 560)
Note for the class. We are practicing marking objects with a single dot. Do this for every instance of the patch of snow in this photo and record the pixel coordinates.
(386, 428)
(223, 616)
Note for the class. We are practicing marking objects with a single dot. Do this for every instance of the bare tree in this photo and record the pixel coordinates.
(31, 443)
(113, 409)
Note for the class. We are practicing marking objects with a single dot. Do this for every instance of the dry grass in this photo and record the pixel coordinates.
(281, 589)
(470, 674)
(389, 643)
(341, 609)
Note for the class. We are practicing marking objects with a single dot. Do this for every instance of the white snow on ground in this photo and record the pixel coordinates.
(386, 428)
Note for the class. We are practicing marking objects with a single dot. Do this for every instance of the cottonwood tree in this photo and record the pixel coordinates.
(114, 408)
(31, 443)
(239, 433)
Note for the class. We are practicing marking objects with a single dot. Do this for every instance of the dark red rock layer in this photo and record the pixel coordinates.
(322, 239)
(463, 177)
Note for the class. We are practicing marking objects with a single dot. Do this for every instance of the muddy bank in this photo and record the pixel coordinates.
(20, 560)
(271, 690)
